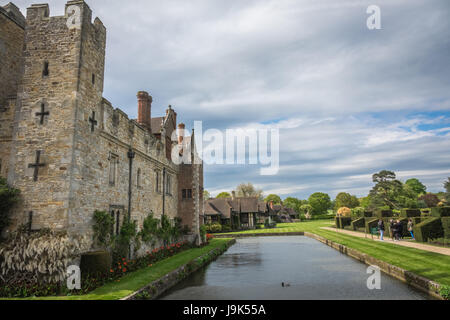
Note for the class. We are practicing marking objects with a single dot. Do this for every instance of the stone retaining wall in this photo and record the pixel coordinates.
(418, 282)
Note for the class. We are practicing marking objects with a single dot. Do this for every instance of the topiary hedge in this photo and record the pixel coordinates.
(410, 213)
(440, 212)
(428, 230)
(381, 213)
(96, 263)
(342, 222)
(446, 226)
(358, 223)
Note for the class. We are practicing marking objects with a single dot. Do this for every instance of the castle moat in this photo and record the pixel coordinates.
(255, 268)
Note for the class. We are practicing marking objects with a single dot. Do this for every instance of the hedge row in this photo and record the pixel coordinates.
(428, 230)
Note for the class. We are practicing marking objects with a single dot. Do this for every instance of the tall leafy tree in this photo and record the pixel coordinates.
(249, 190)
(417, 186)
(386, 190)
(293, 203)
(206, 195)
(273, 197)
(345, 199)
(320, 203)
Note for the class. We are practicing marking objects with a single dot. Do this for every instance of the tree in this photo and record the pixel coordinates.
(387, 188)
(344, 212)
(248, 190)
(430, 199)
(306, 209)
(293, 203)
(417, 186)
(365, 202)
(345, 199)
(320, 203)
(273, 197)
(206, 195)
(8, 198)
(447, 189)
(224, 195)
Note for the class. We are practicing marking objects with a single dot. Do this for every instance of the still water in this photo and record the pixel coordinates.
(254, 269)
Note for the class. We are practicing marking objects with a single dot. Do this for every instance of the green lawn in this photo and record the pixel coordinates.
(430, 265)
(138, 279)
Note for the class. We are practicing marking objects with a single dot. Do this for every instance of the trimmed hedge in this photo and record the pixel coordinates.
(368, 214)
(440, 212)
(342, 222)
(384, 213)
(446, 226)
(429, 229)
(358, 223)
(96, 263)
(371, 223)
(410, 213)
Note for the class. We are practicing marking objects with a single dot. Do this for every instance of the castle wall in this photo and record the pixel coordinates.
(81, 139)
(47, 40)
(11, 46)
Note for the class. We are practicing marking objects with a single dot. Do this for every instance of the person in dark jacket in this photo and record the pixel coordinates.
(391, 228)
(398, 230)
(381, 228)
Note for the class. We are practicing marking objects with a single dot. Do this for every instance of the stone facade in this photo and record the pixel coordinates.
(67, 148)
(12, 31)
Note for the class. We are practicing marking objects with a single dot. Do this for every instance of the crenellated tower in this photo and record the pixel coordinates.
(58, 98)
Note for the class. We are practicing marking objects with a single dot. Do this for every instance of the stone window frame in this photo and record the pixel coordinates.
(113, 169)
(158, 180)
(46, 69)
(168, 186)
(186, 194)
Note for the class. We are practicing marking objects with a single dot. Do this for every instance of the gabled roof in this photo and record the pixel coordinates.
(240, 205)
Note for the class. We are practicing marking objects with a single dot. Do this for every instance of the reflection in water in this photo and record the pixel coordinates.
(254, 269)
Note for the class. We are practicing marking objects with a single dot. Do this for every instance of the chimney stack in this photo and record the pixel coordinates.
(144, 109)
(271, 205)
(181, 128)
(233, 195)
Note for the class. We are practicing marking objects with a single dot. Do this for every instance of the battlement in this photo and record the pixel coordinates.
(115, 123)
(13, 13)
(77, 13)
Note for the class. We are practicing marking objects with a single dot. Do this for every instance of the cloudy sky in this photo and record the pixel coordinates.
(348, 101)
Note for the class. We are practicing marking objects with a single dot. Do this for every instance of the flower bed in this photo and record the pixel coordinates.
(90, 282)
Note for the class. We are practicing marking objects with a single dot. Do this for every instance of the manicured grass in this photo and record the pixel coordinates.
(430, 265)
(138, 279)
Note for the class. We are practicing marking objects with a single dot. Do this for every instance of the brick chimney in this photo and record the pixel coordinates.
(271, 205)
(181, 128)
(144, 109)
(233, 195)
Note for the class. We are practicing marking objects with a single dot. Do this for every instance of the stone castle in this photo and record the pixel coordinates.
(67, 149)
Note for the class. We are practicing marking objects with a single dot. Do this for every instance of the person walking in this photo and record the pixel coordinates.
(381, 228)
(398, 230)
(391, 228)
(410, 228)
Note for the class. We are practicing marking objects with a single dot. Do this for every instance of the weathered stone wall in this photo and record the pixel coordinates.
(11, 66)
(47, 40)
(79, 135)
